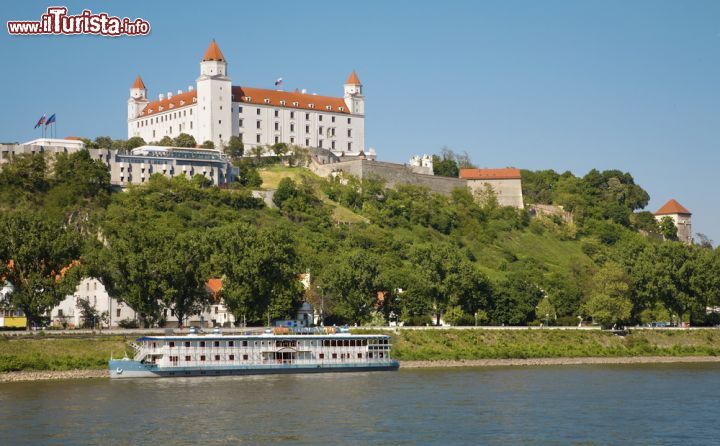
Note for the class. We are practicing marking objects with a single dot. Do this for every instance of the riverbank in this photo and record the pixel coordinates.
(48, 375)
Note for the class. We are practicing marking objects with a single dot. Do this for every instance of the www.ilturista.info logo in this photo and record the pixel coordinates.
(56, 21)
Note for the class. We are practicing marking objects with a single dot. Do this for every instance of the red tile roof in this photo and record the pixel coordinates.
(213, 53)
(490, 174)
(177, 101)
(257, 96)
(353, 79)
(215, 285)
(672, 207)
(289, 99)
(138, 83)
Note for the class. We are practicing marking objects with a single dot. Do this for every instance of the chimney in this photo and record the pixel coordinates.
(169, 94)
(161, 97)
(179, 92)
(190, 88)
(304, 91)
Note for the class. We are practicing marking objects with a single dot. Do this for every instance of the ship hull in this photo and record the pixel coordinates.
(123, 368)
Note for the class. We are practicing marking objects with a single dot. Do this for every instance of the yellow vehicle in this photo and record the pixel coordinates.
(12, 319)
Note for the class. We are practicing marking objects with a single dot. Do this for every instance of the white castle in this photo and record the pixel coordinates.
(216, 110)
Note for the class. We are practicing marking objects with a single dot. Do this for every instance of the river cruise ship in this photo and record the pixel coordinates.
(266, 353)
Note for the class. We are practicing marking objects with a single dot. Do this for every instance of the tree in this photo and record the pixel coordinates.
(515, 300)
(257, 152)
(104, 142)
(248, 175)
(27, 173)
(280, 148)
(166, 141)
(259, 270)
(545, 310)
(184, 140)
(668, 229)
(208, 145)
(609, 301)
(185, 273)
(89, 315)
(703, 241)
(445, 167)
(235, 148)
(38, 256)
(353, 280)
(134, 142)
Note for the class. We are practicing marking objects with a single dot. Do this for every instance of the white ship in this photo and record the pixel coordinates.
(216, 354)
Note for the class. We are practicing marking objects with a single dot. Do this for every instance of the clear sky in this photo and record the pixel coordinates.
(566, 85)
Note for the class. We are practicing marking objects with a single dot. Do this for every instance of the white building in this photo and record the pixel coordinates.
(68, 312)
(505, 183)
(421, 164)
(215, 110)
(680, 216)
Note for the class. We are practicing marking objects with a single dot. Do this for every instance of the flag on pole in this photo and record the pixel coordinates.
(41, 121)
(50, 120)
(278, 82)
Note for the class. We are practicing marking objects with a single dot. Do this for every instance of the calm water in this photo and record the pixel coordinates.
(659, 404)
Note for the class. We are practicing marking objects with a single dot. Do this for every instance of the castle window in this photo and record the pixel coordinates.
(292, 140)
(320, 143)
(248, 99)
(277, 126)
(258, 125)
(240, 109)
(349, 146)
(277, 113)
(307, 129)
(292, 115)
(277, 140)
(240, 136)
(327, 107)
(349, 120)
(307, 142)
(320, 118)
(333, 145)
(191, 122)
(191, 112)
(219, 121)
(333, 119)
(282, 103)
(267, 101)
(311, 105)
(258, 111)
(341, 108)
(320, 129)
(292, 127)
(241, 123)
(258, 138)
(307, 116)
(349, 133)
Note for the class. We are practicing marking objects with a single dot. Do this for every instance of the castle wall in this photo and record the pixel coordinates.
(392, 173)
(508, 191)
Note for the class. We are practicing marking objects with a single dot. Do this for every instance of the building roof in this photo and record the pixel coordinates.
(510, 173)
(353, 79)
(289, 99)
(177, 101)
(672, 207)
(139, 83)
(213, 53)
(214, 285)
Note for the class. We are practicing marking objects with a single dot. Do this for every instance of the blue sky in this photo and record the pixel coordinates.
(567, 85)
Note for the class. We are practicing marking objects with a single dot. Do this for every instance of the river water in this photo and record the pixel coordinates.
(550, 405)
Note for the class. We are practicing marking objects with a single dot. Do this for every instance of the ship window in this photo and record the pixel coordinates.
(202, 358)
(231, 343)
(359, 355)
(187, 343)
(202, 344)
(370, 355)
(245, 357)
(231, 357)
(244, 344)
(364, 342)
(381, 354)
(326, 343)
(334, 356)
(187, 358)
(216, 344)
(333, 343)
(217, 357)
(172, 344)
(322, 355)
(347, 343)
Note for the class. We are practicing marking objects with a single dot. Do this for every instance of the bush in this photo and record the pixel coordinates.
(128, 323)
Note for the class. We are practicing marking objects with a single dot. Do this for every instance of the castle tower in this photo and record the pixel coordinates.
(354, 98)
(680, 216)
(214, 99)
(138, 98)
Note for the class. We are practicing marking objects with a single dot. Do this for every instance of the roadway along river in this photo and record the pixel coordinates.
(623, 404)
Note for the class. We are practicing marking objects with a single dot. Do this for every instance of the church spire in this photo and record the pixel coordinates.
(353, 79)
(139, 83)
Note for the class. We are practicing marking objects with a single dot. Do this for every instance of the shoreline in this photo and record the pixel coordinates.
(51, 375)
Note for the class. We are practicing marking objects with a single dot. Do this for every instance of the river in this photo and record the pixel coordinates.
(550, 405)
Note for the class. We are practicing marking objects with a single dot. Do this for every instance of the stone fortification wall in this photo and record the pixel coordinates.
(392, 173)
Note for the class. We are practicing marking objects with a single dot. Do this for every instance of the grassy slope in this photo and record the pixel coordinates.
(492, 344)
(42, 353)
